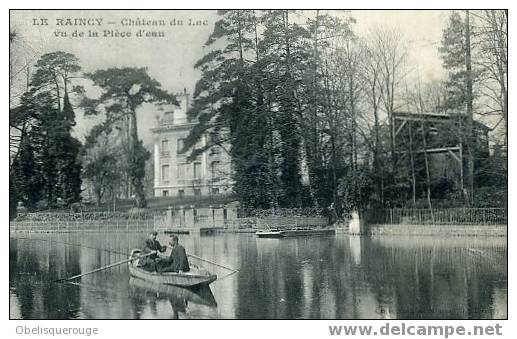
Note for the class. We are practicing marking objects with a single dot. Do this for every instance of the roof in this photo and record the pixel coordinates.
(438, 117)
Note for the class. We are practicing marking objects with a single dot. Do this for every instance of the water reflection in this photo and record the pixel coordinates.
(328, 277)
(144, 293)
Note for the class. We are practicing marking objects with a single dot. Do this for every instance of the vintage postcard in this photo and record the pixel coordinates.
(259, 164)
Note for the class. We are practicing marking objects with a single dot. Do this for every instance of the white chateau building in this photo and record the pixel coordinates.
(208, 174)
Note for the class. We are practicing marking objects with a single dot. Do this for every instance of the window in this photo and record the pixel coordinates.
(165, 173)
(181, 171)
(216, 166)
(181, 193)
(179, 146)
(165, 147)
(215, 191)
(165, 193)
(215, 150)
(197, 192)
(197, 170)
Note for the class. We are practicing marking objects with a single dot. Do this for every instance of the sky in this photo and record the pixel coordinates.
(170, 59)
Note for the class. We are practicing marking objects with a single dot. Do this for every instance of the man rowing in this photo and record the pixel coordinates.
(152, 262)
(177, 261)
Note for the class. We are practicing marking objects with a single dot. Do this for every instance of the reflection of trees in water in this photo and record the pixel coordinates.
(294, 278)
(33, 269)
(322, 278)
(267, 282)
(435, 282)
(36, 263)
(289, 278)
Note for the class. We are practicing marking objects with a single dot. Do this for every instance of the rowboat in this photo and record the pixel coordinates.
(295, 232)
(195, 277)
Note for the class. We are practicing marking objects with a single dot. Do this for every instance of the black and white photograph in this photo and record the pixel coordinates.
(259, 164)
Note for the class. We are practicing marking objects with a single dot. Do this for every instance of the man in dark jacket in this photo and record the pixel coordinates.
(152, 262)
(178, 261)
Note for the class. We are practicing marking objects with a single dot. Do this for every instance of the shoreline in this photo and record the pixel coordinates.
(432, 231)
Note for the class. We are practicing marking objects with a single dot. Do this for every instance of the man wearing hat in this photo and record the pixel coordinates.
(152, 262)
(177, 261)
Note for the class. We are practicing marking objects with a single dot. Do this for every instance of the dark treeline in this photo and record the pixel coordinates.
(46, 166)
(311, 113)
(307, 108)
(49, 168)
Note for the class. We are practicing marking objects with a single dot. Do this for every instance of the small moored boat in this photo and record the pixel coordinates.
(196, 276)
(295, 232)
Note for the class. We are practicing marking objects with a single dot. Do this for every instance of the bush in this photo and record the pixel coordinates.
(490, 197)
(355, 189)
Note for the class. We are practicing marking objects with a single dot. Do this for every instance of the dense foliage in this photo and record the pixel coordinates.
(46, 169)
(303, 105)
(124, 90)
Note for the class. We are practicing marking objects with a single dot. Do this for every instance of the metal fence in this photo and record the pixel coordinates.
(83, 216)
(227, 218)
(112, 225)
(448, 216)
(280, 212)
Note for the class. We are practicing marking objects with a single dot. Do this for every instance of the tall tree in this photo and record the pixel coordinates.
(276, 74)
(391, 51)
(371, 73)
(457, 60)
(230, 91)
(100, 160)
(46, 116)
(47, 101)
(286, 51)
(124, 90)
(26, 174)
(491, 57)
(69, 164)
(326, 104)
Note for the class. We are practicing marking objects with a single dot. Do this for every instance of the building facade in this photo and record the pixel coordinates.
(208, 174)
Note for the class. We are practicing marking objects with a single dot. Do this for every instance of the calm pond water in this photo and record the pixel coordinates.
(343, 277)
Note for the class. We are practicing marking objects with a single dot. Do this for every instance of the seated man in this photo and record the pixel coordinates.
(151, 262)
(177, 261)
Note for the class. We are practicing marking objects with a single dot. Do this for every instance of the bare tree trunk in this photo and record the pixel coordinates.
(137, 181)
(312, 144)
(378, 169)
(98, 195)
(427, 174)
(469, 99)
(412, 159)
(352, 115)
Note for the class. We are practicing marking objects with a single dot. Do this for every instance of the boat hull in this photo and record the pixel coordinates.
(195, 277)
(295, 233)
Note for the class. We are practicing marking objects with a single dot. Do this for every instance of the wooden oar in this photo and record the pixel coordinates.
(71, 244)
(104, 267)
(213, 263)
